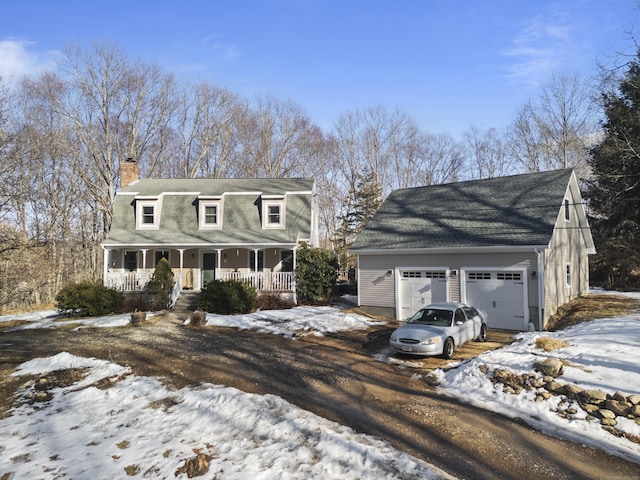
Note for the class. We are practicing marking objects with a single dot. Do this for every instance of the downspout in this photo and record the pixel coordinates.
(540, 262)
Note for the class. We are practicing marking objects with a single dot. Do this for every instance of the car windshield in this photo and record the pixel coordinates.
(433, 316)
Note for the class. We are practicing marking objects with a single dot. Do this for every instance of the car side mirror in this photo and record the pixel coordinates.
(459, 322)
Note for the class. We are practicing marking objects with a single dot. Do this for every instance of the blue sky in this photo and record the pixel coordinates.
(447, 63)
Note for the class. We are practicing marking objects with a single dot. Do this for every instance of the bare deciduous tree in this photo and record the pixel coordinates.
(279, 140)
(554, 132)
(486, 153)
(208, 123)
(117, 111)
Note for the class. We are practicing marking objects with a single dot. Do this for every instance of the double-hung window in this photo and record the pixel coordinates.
(210, 212)
(147, 214)
(273, 211)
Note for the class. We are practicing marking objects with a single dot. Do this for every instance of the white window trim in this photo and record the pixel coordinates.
(567, 210)
(140, 204)
(202, 205)
(272, 202)
(568, 275)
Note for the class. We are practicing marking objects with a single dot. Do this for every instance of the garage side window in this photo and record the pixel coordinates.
(568, 275)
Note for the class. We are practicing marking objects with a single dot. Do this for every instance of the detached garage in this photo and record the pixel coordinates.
(516, 247)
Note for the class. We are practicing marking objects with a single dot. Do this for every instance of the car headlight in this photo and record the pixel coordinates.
(430, 341)
(394, 337)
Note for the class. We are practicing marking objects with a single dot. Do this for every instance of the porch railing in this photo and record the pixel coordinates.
(128, 281)
(264, 281)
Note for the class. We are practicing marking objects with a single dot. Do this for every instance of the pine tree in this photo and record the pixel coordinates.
(160, 286)
(364, 201)
(614, 190)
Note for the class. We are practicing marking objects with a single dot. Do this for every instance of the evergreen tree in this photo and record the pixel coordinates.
(160, 286)
(364, 201)
(316, 273)
(614, 190)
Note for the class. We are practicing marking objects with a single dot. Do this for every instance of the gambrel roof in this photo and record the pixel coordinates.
(513, 211)
(241, 204)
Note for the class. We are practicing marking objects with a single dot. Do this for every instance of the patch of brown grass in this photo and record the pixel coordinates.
(549, 344)
(12, 323)
(32, 308)
(592, 307)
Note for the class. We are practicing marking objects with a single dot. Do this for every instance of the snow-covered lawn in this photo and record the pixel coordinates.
(295, 322)
(136, 425)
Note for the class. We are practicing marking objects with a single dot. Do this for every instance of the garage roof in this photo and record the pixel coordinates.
(518, 210)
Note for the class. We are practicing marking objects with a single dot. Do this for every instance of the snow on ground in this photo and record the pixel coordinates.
(137, 426)
(602, 355)
(267, 436)
(296, 321)
(52, 319)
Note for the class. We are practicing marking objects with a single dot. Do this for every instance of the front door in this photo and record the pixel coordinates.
(208, 267)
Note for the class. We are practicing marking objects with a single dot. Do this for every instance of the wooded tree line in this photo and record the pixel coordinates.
(64, 134)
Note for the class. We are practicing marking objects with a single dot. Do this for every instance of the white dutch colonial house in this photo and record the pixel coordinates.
(517, 247)
(225, 229)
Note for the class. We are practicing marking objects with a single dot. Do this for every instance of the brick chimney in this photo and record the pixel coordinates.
(129, 172)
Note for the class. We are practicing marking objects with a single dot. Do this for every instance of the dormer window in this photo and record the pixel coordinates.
(211, 215)
(273, 211)
(147, 214)
(567, 211)
(274, 215)
(210, 212)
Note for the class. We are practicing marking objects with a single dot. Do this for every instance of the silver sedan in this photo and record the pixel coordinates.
(439, 328)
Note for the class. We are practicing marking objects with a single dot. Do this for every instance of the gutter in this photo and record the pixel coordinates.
(442, 250)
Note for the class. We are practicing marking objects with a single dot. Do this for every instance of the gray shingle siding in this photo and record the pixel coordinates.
(241, 212)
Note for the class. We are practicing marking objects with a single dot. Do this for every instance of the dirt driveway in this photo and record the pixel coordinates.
(341, 377)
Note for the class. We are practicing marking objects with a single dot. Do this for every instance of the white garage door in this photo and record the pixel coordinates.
(419, 288)
(501, 295)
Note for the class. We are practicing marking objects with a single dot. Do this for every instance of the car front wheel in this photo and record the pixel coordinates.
(447, 351)
(482, 337)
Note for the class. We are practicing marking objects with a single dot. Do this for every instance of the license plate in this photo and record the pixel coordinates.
(406, 349)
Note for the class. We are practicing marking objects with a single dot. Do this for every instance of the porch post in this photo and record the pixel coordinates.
(144, 259)
(294, 286)
(218, 261)
(255, 260)
(105, 265)
(181, 251)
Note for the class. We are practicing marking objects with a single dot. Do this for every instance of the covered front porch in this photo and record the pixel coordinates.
(268, 269)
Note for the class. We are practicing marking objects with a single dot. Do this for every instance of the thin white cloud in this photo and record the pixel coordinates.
(537, 50)
(18, 58)
(214, 43)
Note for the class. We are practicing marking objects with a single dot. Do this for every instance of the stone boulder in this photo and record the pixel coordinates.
(551, 367)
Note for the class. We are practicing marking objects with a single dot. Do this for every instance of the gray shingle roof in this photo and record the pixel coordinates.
(241, 221)
(519, 210)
